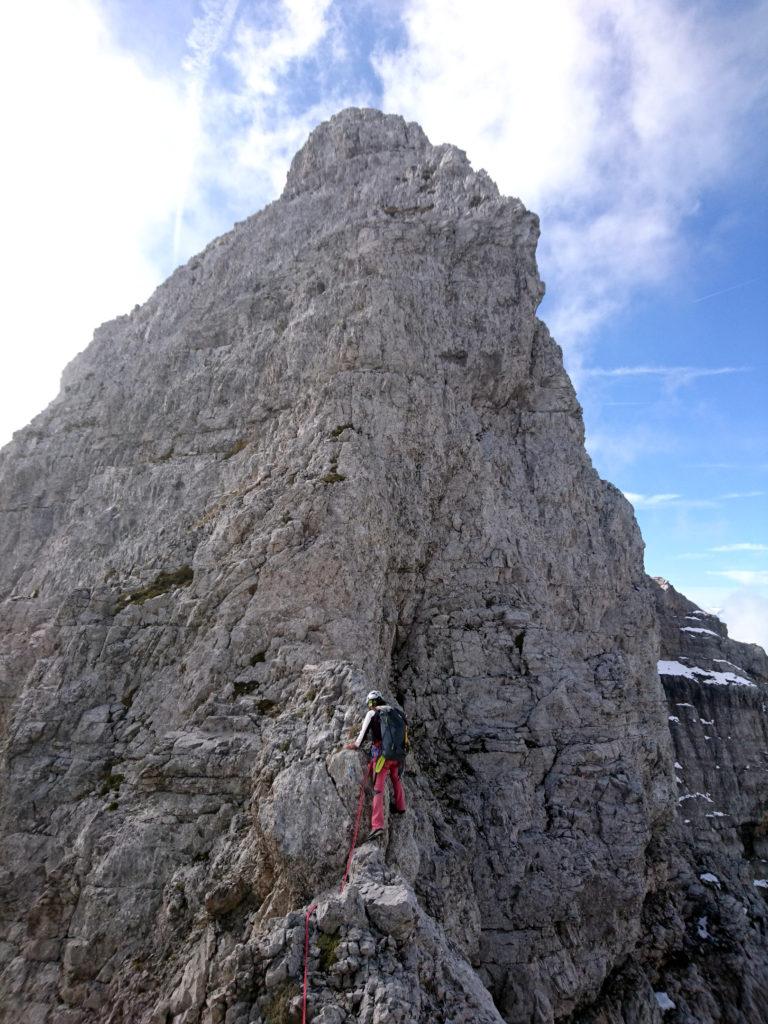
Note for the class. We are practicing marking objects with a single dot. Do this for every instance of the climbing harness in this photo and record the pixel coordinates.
(310, 912)
(358, 815)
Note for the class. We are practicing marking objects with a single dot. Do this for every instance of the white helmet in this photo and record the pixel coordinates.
(374, 695)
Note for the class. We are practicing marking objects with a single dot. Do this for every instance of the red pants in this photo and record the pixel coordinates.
(391, 768)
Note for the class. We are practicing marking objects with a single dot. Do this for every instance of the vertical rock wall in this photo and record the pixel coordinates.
(336, 450)
(703, 949)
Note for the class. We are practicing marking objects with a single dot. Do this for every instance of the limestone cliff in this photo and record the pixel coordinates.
(337, 450)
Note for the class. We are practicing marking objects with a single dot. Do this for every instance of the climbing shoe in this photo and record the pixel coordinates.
(375, 834)
(394, 810)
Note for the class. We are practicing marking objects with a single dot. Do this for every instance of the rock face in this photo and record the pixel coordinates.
(337, 450)
(716, 956)
(703, 952)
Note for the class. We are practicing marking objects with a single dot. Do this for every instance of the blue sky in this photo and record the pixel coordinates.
(635, 129)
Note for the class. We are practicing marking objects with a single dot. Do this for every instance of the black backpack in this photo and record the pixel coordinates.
(394, 734)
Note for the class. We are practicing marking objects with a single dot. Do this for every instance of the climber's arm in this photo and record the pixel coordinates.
(355, 745)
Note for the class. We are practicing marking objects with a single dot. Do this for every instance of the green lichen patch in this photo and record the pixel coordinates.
(112, 783)
(242, 442)
(329, 945)
(278, 1009)
(248, 686)
(161, 584)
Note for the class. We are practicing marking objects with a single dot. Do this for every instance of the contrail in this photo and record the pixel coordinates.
(733, 287)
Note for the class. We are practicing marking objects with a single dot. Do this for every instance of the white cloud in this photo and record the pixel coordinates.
(744, 611)
(741, 467)
(672, 376)
(749, 577)
(250, 127)
(92, 166)
(263, 55)
(208, 35)
(609, 118)
(678, 501)
(746, 614)
(650, 500)
(116, 162)
(615, 451)
(741, 547)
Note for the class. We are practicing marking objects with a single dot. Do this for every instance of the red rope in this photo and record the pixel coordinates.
(358, 815)
(309, 913)
(313, 907)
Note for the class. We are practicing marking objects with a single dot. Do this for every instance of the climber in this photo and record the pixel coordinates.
(388, 730)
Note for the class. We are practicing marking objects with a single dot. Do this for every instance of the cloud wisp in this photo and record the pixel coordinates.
(208, 35)
(80, 190)
(255, 117)
(745, 546)
(746, 613)
(651, 500)
(611, 119)
(672, 376)
(679, 501)
(744, 610)
(747, 577)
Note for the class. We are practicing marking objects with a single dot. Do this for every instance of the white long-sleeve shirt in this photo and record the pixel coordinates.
(367, 721)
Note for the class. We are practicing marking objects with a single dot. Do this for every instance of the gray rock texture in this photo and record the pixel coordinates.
(337, 450)
(703, 952)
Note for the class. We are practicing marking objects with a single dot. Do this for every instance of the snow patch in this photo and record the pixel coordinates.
(701, 928)
(665, 1003)
(705, 722)
(761, 883)
(702, 675)
(716, 814)
(710, 878)
(673, 718)
(724, 661)
(678, 765)
(695, 796)
(698, 629)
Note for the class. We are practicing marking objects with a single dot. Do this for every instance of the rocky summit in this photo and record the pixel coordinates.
(338, 451)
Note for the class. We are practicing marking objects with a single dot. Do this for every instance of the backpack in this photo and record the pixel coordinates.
(394, 734)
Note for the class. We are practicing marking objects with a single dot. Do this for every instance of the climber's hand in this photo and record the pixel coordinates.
(350, 746)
